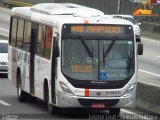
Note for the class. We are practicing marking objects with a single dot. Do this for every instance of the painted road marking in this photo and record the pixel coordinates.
(3, 34)
(153, 40)
(4, 29)
(7, 34)
(128, 112)
(154, 74)
(4, 103)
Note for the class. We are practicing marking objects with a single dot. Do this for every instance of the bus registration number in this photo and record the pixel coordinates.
(98, 105)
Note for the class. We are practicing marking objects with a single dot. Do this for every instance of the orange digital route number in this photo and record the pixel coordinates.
(96, 29)
(84, 69)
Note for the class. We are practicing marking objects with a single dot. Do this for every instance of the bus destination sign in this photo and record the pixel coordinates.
(94, 29)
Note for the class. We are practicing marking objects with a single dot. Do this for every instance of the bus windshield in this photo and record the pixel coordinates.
(108, 60)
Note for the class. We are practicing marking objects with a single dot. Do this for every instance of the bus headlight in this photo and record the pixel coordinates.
(66, 89)
(129, 91)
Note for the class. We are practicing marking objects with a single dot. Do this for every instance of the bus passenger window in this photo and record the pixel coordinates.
(14, 31)
(41, 39)
(27, 36)
(48, 43)
(20, 33)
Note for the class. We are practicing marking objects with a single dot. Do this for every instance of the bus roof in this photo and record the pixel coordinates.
(61, 13)
(65, 9)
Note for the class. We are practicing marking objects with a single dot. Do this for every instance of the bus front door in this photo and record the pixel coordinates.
(34, 37)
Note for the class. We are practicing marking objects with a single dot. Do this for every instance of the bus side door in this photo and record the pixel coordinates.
(34, 36)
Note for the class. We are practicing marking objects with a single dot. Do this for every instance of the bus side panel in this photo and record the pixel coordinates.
(19, 60)
(42, 71)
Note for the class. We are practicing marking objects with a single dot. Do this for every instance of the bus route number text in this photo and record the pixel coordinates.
(96, 29)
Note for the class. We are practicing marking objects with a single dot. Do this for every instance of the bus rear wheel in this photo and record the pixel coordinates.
(114, 111)
(22, 96)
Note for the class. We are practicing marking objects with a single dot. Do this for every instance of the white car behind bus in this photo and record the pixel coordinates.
(131, 19)
(3, 56)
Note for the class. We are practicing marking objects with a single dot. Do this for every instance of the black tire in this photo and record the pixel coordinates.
(22, 96)
(52, 109)
(46, 93)
(32, 99)
(114, 111)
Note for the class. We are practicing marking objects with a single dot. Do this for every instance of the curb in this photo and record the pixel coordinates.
(150, 30)
(148, 97)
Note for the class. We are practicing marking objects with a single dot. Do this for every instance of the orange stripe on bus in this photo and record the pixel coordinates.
(86, 21)
(86, 92)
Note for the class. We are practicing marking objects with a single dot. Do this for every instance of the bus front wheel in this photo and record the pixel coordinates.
(22, 96)
(52, 109)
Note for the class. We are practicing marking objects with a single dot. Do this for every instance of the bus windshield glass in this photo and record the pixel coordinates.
(98, 59)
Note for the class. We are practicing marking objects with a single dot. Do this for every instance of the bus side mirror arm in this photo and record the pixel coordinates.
(56, 51)
(55, 47)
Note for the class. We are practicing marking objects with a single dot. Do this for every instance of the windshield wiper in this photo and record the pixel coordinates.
(87, 48)
(130, 61)
(105, 54)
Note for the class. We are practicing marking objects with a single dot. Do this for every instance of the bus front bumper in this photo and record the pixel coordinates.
(66, 101)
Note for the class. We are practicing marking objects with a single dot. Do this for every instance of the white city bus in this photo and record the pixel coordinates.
(72, 57)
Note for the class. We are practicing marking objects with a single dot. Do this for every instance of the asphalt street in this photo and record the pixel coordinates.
(4, 21)
(11, 107)
(149, 62)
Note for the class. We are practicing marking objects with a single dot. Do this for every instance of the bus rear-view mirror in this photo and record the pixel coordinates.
(140, 49)
(138, 39)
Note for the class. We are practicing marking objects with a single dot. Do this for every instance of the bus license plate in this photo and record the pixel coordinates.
(97, 105)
